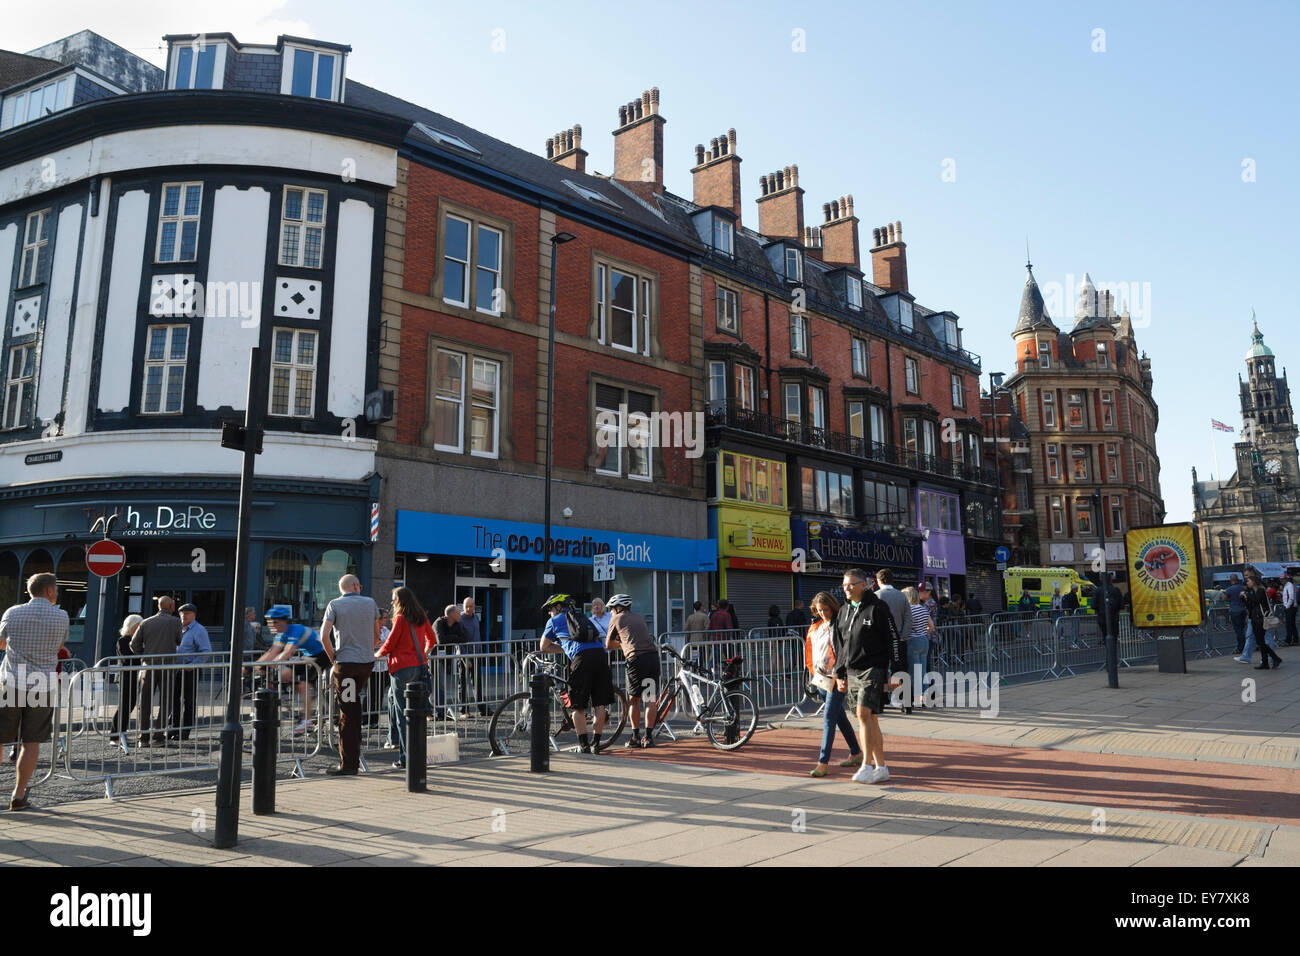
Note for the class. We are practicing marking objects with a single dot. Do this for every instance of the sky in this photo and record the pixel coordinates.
(1154, 146)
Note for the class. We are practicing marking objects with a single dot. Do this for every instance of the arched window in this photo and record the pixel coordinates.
(72, 592)
(333, 564)
(288, 581)
(10, 586)
(38, 562)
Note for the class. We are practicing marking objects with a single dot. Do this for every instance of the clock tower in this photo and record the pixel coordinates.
(1266, 455)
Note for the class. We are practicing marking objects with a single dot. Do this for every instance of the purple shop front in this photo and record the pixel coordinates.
(943, 554)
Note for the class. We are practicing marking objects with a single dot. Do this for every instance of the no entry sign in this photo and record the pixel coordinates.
(105, 558)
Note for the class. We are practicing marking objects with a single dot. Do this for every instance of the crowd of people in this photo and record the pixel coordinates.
(1257, 613)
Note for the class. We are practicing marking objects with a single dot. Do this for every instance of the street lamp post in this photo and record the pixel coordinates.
(556, 241)
(995, 386)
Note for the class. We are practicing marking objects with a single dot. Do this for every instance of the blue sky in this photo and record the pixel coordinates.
(1127, 163)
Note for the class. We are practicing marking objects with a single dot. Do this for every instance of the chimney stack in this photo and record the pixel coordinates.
(812, 242)
(566, 149)
(839, 232)
(889, 257)
(780, 205)
(716, 174)
(639, 143)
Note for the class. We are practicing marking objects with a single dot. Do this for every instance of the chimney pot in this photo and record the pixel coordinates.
(850, 200)
(826, 212)
(713, 148)
(577, 135)
(898, 231)
(622, 116)
(654, 98)
(645, 102)
(550, 148)
(699, 154)
(731, 140)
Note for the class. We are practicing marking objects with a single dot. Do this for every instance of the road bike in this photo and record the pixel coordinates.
(727, 715)
(510, 731)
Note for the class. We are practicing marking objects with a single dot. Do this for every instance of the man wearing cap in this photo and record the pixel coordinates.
(185, 683)
(628, 633)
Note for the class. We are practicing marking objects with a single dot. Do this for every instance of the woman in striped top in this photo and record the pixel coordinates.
(918, 643)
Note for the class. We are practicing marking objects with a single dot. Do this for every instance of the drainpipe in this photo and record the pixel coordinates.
(767, 358)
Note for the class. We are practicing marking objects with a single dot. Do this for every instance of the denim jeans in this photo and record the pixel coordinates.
(917, 649)
(397, 703)
(1249, 650)
(1238, 619)
(836, 716)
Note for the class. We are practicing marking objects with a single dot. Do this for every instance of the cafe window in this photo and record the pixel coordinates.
(753, 480)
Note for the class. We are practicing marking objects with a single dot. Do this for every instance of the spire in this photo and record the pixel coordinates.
(1033, 311)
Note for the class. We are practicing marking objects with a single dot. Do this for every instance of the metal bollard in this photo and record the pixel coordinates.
(266, 734)
(417, 752)
(539, 750)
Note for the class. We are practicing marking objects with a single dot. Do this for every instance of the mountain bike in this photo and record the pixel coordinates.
(728, 715)
(511, 729)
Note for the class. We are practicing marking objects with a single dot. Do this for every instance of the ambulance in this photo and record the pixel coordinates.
(1040, 584)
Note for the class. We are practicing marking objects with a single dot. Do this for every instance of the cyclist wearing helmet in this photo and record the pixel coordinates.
(287, 639)
(628, 633)
(589, 679)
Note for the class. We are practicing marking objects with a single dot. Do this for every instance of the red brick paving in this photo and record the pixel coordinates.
(1230, 791)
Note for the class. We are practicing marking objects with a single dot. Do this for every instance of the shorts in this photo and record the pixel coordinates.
(867, 688)
(31, 725)
(590, 682)
(643, 675)
(323, 662)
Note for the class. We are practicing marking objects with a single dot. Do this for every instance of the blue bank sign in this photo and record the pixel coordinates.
(419, 532)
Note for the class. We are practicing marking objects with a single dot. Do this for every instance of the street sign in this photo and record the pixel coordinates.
(105, 558)
(602, 566)
(1002, 554)
(1002, 565)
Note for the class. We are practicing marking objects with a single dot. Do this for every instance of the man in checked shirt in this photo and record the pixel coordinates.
(31, 635)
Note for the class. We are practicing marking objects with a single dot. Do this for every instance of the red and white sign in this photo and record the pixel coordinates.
(105, 558)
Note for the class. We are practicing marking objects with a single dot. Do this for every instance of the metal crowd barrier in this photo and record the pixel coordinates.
(774, 662)
(116, 747)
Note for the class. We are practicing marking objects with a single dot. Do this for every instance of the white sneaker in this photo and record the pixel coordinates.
(1241, 660)
(864, 773)
(879, 775)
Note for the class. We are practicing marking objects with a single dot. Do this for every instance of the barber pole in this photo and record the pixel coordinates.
(374, 521)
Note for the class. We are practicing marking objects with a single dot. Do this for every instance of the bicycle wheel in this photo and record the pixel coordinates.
(732, 722)
(511, 729)
(615, 720)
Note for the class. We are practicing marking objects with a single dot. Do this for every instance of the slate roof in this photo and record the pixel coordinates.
(17, 68)
(1033, 311)
(502, 157)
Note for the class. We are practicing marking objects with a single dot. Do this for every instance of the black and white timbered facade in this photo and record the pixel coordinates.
(149, 240)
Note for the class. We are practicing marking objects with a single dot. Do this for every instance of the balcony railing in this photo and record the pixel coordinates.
(758, 423)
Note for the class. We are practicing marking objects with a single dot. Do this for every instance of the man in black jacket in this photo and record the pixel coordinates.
(866, 645)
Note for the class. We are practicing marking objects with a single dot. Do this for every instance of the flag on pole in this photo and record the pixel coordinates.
(1219, 426)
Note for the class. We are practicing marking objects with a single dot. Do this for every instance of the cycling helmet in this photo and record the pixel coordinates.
(278, 611)
(619, 600)
(554, 599)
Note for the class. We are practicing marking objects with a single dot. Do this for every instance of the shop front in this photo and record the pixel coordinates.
(826, 549)
(181, 542)
(754, 555)
(444, 558)
(943, 547)
(750, 518)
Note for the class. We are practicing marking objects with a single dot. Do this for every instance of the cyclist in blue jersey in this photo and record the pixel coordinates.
(287, 639)
(590, 682)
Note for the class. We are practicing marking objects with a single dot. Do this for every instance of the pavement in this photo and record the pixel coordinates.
(1169, 770)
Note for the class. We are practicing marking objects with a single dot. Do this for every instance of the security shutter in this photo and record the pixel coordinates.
(753, 592)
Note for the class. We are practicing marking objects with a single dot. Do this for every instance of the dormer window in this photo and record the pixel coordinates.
(853, 292)
(793, 264)
(905, 315)
(196, 68)
(314, 73)
(34, 103)
(724, 236)
(951, 333)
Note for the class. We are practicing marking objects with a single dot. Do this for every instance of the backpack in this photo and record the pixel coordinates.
(580, 628)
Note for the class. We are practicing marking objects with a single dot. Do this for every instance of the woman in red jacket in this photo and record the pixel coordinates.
(407, 649)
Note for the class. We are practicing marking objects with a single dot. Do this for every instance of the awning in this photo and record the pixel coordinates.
(1273, 569)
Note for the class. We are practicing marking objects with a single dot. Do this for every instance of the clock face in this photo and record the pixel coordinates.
(1273, 466)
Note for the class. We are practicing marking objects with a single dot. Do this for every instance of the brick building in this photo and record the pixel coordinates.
(467, 282)
(843, 425)
(1085, 398)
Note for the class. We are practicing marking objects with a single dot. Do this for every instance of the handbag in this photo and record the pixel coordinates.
(419, 656)
(1271, 619)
